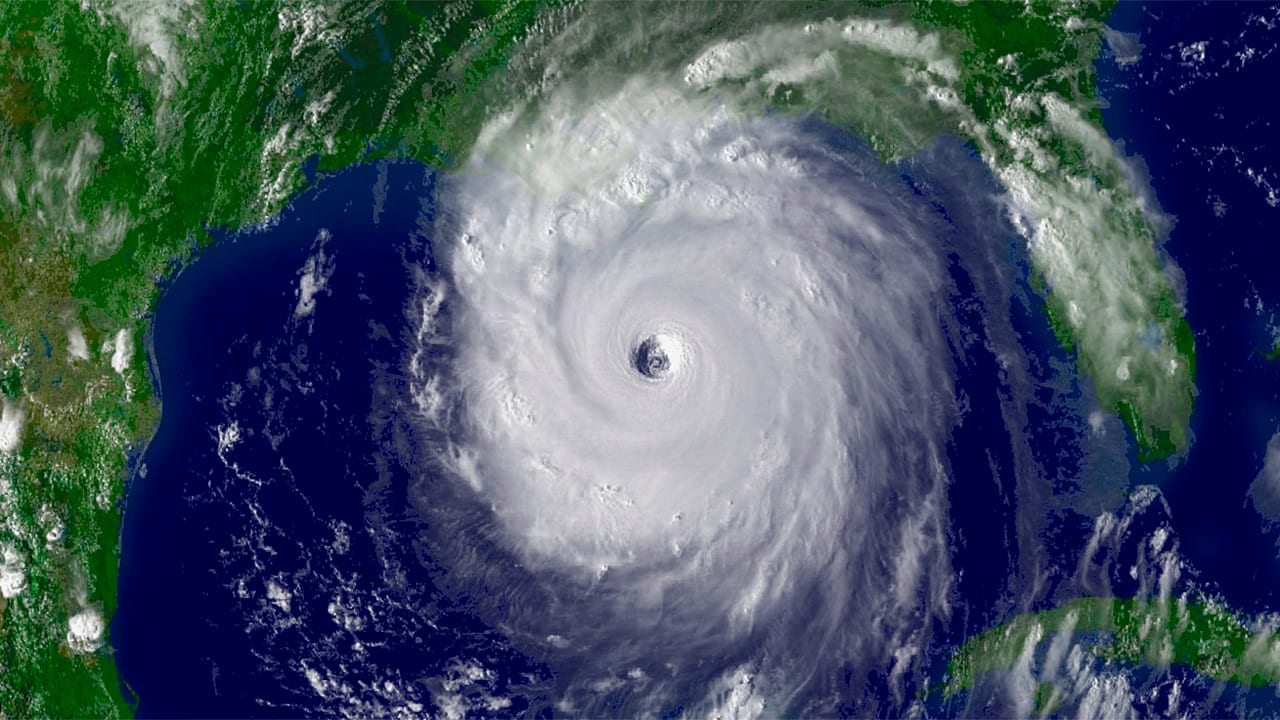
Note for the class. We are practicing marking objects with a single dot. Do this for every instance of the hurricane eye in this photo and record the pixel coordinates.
(650, 359)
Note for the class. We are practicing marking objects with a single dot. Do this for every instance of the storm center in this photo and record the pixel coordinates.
(650, 358)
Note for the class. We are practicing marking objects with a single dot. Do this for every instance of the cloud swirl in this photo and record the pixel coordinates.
(696, 374)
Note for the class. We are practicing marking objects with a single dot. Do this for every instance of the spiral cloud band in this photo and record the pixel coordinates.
(696, 368)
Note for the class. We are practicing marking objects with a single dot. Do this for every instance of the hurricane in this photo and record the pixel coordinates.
(697, 374)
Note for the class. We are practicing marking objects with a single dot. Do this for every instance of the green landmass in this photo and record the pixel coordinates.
(1012, 53)
(1274, 353)
(1201, 635)
(126, 132)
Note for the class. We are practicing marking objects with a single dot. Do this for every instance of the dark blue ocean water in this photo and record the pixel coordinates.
(235, 553)
(288, 503)
(1176, 115)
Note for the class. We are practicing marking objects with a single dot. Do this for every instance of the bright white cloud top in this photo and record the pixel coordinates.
(697, 370)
